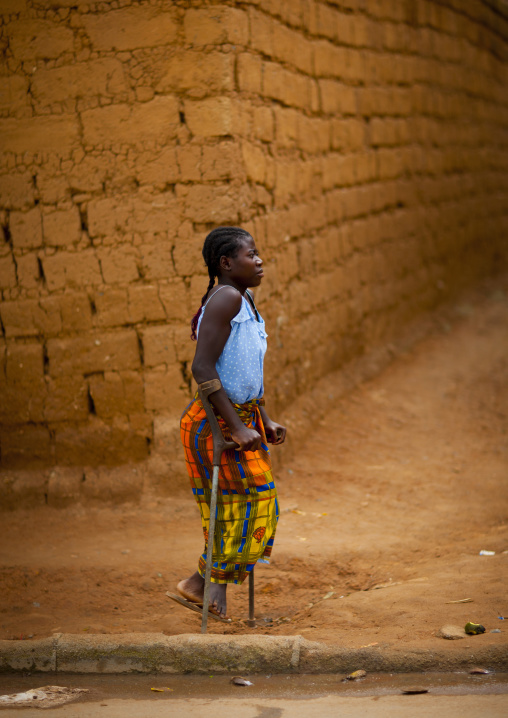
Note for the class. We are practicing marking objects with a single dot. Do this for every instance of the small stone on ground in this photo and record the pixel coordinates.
(452, 633)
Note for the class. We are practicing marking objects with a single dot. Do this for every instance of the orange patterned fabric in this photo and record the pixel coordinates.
(247, 505)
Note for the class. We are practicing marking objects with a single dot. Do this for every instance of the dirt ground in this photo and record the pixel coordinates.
(385, 510)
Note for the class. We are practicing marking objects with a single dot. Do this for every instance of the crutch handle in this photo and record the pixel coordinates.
(219, 442)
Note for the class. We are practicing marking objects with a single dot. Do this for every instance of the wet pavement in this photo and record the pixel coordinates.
(450, 695)
(295, 686)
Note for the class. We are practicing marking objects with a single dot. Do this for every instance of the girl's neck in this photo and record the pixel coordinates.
(227, 282)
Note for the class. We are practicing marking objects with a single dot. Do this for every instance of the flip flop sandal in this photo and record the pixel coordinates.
(195, 607)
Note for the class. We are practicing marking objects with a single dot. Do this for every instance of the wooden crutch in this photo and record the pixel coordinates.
(219, 445)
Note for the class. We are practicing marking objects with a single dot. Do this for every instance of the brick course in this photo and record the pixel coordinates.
(364, 143)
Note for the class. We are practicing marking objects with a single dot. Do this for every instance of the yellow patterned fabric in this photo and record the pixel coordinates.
(247, 505)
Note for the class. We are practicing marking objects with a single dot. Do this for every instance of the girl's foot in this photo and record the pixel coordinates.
(193, 589)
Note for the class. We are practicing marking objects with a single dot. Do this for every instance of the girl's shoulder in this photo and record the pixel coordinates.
(223, 307)
(227, 297)
(226, 290)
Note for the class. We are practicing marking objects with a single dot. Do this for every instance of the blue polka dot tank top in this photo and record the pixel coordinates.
(240, 366)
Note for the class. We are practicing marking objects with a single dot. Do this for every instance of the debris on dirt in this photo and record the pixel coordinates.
(239, 681)
(390, 583)
(45, 697)
(356, 675)
(479, 671)
(269, 621)
(328, 595)
(414, 691)
(370, 645)
(462, 600)
(473, 629)
(385, 585)
(487, 553)
(496, 630)
(452, 633)
(161, 690)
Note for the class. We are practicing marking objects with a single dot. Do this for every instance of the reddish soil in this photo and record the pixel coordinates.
(384, 512)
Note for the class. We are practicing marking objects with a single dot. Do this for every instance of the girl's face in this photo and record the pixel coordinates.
(245, 270)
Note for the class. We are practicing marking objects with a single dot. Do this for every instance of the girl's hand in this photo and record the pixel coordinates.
(247, 439)
(275, 433)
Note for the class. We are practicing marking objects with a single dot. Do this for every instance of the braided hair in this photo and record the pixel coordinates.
(221, 242)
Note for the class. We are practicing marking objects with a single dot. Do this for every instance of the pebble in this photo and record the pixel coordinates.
(239, 681)
(452, 633)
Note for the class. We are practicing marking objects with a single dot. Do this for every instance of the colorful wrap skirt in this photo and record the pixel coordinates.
(247, 506)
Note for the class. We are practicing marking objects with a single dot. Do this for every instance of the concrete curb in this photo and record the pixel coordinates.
(189, 653)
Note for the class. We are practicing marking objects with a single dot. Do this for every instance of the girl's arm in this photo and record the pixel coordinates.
(275, 433)
(214, 331)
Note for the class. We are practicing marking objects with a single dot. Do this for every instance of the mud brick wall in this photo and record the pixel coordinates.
(363, 142)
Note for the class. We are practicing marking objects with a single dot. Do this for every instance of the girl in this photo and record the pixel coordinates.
(231, 343)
